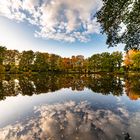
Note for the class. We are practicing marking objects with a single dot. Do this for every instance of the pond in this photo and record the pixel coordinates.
(69, 107)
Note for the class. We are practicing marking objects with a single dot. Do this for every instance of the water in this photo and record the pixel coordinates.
(69, 107)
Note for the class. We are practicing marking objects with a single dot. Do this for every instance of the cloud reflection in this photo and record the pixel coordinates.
(68, 120)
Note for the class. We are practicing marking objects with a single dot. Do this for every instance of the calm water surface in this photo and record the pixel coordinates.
(69, 107)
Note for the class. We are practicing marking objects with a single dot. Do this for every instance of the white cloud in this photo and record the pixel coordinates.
(10, 9)
(64, 20)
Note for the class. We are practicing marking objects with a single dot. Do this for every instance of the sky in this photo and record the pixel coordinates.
(62, 27)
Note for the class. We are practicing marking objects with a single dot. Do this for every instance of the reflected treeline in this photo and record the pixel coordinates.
(106, 84)
(12, 85)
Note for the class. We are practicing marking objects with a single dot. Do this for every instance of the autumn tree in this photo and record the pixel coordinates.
(128, 61)
(67, 64)
(136, 61)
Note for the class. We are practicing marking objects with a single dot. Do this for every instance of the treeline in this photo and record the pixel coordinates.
(12, 85)
(106, 62)
(12, 61)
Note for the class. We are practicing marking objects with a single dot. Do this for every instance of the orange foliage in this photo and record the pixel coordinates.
(128, 57)
(130, 92)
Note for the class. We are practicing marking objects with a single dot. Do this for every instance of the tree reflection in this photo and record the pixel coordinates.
(106, 84)
(12, 85)
(26, 86)
(132, 84)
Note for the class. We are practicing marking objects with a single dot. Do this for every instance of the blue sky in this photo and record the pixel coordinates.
(59, 28)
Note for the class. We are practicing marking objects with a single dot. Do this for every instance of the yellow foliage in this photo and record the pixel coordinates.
(128, 60)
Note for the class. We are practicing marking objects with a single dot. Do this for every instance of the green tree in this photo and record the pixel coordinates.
(11, 60)
(54, 62)
(2, 56)
(106, 62)
(85, 65)
(117, 59)
(95, 62)
(118, 14)
(41, 63)
(26, 61)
